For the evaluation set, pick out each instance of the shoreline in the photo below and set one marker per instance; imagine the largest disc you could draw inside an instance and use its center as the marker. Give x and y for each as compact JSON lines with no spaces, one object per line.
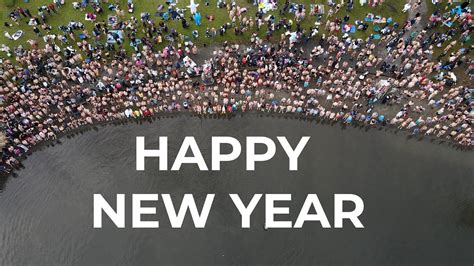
{"x":171,"y":115}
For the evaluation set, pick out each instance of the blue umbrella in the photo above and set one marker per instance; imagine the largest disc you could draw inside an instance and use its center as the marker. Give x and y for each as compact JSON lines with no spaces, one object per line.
{"x":349,"y":119}
{"x":197,"y":18}
{"x":381,"y":118}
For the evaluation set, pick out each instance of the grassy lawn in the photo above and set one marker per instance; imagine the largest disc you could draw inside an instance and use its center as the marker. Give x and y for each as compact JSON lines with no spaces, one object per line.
{"x":444,"y":7}
{"x":390,"y":8}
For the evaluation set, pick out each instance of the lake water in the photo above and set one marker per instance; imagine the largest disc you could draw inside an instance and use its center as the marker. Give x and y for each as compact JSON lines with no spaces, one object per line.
{"x":418,"y":195}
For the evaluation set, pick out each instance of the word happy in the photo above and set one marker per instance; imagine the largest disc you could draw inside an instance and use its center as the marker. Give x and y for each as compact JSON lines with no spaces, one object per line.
{"x":189,"y":144}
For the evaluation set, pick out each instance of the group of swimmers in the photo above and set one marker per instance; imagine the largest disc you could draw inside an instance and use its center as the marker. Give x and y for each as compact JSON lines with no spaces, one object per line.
{"x":48,"y":91}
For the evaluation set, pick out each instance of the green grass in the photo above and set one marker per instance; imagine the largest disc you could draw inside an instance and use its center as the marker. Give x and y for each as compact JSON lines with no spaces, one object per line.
{"x":9,"y":3}
{"x":444,"y":8}
{"x":390,"y":8}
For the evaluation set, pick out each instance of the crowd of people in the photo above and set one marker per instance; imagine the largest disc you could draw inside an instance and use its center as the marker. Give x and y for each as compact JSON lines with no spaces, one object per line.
{"x":51,"y":89}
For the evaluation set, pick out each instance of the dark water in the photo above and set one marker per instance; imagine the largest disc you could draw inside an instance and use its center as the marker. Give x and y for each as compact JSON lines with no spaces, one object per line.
{"x":419,"y":199}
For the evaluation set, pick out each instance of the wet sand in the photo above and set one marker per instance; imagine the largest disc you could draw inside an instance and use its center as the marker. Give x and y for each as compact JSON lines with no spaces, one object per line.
{"x":419,"y":198}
